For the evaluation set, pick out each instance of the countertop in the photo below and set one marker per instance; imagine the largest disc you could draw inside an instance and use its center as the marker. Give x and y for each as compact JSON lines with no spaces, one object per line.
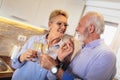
{"x":7,"y":74}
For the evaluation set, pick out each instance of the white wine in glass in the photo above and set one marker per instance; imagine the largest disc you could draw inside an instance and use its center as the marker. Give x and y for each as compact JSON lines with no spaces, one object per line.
{"x":37,"y":47}
{"x":44,"y":48}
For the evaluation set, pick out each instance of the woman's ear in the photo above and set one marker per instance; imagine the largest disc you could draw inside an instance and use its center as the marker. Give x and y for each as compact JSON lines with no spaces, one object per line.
{"x":91,"y":29}
{"x":49,"y":25}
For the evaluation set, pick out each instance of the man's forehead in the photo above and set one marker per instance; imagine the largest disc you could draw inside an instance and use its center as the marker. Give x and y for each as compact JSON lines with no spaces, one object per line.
{"x":83,"y":19}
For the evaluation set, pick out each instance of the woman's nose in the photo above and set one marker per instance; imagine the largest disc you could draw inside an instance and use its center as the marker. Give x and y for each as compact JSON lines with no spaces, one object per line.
{"x":76,"y":29}
{"x":63,"y":26}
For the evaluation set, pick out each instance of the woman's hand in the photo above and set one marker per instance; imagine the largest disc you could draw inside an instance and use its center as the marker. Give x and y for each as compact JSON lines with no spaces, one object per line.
{"x":28,"y":55}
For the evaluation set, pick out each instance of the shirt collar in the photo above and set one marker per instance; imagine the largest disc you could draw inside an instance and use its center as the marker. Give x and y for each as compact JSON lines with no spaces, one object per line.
{"x":94,"y":43}
{"x":56,"y":45}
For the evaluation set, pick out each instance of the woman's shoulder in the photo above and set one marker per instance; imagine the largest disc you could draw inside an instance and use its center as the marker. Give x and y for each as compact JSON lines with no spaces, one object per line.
{"x":37,"y":36}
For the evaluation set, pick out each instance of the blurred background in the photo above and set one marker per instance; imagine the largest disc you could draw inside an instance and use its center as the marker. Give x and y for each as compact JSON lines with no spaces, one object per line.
{"x":20,"y":19}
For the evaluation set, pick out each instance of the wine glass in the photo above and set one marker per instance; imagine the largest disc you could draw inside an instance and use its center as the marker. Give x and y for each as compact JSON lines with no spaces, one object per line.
{"x":44,"y":48}
{"x":41,"y":48}
{"x":37,"y":47}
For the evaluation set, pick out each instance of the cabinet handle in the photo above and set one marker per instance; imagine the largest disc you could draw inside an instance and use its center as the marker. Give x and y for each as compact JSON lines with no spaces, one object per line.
{"x":18,"y":18}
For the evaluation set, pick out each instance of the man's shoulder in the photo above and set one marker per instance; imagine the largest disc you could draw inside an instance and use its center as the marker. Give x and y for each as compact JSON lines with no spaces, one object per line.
{"x":104,"y":50}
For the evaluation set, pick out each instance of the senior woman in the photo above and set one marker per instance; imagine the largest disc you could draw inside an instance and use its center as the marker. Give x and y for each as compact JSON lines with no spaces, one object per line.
{"x":26,"y":69}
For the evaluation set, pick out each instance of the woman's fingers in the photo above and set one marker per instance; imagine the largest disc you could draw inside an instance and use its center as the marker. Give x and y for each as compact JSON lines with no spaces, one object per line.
{"x":29,"y":54}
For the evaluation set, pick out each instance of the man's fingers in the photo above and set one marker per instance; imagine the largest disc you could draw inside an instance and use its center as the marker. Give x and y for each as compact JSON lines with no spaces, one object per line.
{"x":64,"y":46}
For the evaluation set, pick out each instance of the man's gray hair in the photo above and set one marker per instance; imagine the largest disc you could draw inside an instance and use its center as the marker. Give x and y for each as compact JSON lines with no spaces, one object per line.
{"x":97,"y":20}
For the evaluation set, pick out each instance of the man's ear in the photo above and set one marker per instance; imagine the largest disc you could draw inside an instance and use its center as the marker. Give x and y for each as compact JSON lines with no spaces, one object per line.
{"x":91,"y":29}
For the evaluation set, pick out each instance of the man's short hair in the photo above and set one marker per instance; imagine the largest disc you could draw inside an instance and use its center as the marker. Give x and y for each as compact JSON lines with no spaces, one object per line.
{"x":97,"y":20}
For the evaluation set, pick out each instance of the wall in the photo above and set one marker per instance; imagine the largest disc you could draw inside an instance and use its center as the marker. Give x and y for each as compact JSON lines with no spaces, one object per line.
{"x":9,"y":32}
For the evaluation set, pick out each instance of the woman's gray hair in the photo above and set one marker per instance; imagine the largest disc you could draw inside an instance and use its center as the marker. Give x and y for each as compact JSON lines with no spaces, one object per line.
{"x":97,"y":20}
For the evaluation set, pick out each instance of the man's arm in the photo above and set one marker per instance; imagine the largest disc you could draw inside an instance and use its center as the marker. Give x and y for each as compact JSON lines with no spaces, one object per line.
{"x":60,"y":73}
{"x":64,"y":75}
{"x":48,"y":62}
{"x":67,"y":76}
{"x":103,"y":68}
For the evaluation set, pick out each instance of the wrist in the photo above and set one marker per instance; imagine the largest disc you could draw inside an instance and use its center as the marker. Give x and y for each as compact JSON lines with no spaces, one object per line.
{"x":54,"y":69}
{"x":60,"y":58}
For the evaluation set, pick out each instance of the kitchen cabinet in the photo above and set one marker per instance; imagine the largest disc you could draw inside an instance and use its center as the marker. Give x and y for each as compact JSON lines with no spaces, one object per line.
{"x":72,"y":7}
{"x":6,"y":75}
{"x":22,"y":10}
{"x":45,"y":8}
{"x":9,"y":78}
{"x":36,"y":12}
{"x":75,"y":9}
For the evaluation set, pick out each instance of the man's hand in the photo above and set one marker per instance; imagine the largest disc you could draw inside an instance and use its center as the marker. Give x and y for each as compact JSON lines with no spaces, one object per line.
{"x":66,"y":50}
{"x":47,"y":62}
{"x":28,"y":55}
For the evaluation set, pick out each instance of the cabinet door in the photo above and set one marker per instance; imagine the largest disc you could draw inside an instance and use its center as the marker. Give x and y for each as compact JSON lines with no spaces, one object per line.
{"x":45,"y":8}
{"x":1,"y":3}
{"x":21,"y":9}
{"x":74,"y":9}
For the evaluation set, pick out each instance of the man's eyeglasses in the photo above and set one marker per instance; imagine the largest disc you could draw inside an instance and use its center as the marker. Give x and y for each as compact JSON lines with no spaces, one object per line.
{"x":62,"y":23}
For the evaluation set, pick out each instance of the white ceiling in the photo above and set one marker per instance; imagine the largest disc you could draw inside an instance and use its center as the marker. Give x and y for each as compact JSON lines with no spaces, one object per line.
{"x":104,"y":0}
{"x":112,"y":0}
